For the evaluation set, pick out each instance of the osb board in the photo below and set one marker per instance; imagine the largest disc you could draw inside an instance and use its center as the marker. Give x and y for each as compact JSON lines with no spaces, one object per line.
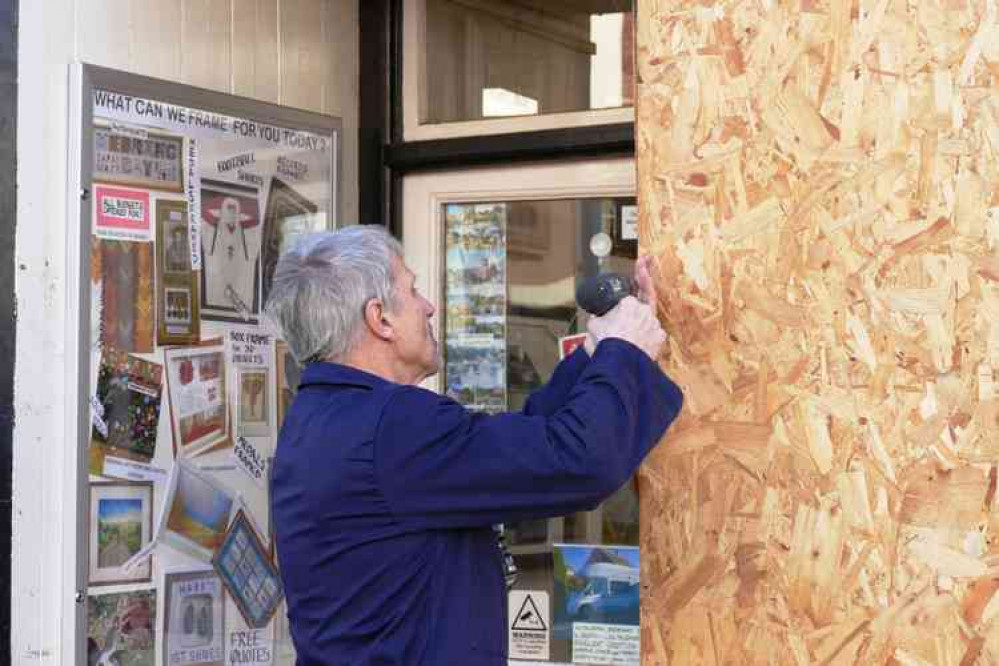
{"x":819,"y":185}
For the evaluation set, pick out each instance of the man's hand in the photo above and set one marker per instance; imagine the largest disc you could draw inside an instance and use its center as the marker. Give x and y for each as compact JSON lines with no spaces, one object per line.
{"x":646,"y":285}
{"x":633,"y":321}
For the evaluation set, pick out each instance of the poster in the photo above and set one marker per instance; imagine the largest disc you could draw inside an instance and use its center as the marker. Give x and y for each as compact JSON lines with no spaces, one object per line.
{"x":475,"y":310}
{"x":196,"y":381}
{"x":122,"y":214}
{"x":194,"y":619}
{"x":596,"y":603}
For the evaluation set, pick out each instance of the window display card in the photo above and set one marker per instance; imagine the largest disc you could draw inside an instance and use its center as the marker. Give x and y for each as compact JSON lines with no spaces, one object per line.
{"x":252,"y":647}
{"x":248,"y":573}
{"x":194,"y":618}
{"x":122,"y":214}
{"x":199,"y":410}
{"x":596,"y":602}
{"x":121,"y":524}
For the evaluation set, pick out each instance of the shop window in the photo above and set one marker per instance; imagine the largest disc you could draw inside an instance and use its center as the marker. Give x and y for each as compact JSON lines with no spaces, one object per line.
{"x":469,"y":60}
{"x":511,"y":268}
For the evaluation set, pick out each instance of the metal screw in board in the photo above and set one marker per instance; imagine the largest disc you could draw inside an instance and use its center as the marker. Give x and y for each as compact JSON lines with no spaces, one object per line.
{"x":80,"y":596}
{"x":84,"y":193}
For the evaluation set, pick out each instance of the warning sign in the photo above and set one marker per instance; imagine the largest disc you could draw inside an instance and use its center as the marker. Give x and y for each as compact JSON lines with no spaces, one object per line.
{"x":529,"y":624}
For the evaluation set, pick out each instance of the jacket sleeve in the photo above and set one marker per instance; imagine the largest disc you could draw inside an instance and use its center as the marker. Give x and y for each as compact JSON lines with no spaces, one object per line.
{"x":549,"y":398}
{"x":441,"y":466}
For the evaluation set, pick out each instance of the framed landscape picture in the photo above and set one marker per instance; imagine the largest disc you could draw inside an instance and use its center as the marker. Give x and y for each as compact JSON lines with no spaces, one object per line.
{"x":121,"y":524}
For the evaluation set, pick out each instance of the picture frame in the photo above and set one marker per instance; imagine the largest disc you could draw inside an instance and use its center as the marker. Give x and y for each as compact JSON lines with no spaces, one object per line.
{"x":193,"y":627}
{"x":253,"y":410}
{"x":288,"y":215}
{"x":121,"y":525}
{"x":249,"y":574}
{"x":126,"y":409}
{"x":136,"y":157}
{"x":199,"y":407}
{"x":121,"y":628}
{"x":230,"y":252}
{"x":178,"y":302}
{"x":196,"y":512}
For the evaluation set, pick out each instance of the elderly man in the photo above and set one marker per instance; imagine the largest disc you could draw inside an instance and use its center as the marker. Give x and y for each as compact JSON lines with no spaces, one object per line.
{"x":384,"y":493}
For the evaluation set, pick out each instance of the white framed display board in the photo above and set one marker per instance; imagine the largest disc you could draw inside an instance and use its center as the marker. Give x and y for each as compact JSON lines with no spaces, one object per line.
{"x":186,"y":199}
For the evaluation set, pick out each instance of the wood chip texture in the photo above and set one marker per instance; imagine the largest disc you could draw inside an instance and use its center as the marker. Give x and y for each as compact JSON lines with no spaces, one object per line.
{"x":819,"y":187}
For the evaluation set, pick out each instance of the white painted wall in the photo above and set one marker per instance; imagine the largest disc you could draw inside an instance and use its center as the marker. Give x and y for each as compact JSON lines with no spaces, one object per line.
{"x":300,"y":53}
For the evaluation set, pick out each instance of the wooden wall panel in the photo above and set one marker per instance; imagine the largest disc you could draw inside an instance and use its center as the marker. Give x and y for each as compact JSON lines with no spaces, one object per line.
{"x":819,"y":185}
{"x":303,"y":54}
{"x":341,"y":91}
{"x":206,"y":53}
{"x":103,"y":42}
{"x":256,"y":50}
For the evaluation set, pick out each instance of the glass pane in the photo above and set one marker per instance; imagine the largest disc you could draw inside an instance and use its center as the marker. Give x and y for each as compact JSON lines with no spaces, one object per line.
{"x":496,"y":58}
{"x":511,"y":273}
{"x":190,"y":211}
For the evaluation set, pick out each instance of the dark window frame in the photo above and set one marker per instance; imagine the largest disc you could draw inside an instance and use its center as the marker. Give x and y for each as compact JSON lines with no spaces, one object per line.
{"x":385,"y":157}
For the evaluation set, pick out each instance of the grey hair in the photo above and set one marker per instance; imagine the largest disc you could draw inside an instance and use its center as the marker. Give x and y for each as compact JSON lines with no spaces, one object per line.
{"x":322,"y":284}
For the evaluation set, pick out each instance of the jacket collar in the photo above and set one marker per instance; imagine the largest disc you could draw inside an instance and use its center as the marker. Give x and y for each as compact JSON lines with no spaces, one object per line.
{"x":334,"y":374}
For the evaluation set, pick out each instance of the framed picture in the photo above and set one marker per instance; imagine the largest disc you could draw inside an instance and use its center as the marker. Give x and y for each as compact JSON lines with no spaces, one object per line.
{"x":121,"y":628}
{"x":253,"y":410}
{"x":196,"y":382}
{"x":177,"y":299}
{"x":248,"y":573}
{"x":121,"y":524}
{"x":230,"y":248}
{"x":123,"y":271}
{"x":289,"y":214}
{"x":126,"y":409}
{"x":138,"y":158}
{"x":194,"y":618}
{"x":196,"y":512}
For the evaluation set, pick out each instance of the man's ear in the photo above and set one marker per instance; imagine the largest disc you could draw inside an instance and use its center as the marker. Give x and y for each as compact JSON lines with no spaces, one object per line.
{"x":375,"y":320}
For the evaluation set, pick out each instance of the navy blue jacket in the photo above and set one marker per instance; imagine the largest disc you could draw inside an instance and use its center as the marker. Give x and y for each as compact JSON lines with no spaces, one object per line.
{"x":384,"y":496}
